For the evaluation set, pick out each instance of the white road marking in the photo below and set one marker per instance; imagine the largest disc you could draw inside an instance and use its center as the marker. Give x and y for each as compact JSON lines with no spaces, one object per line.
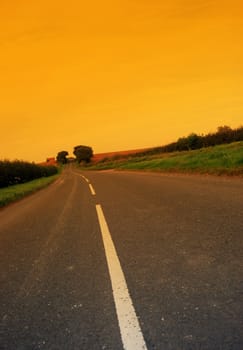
{"x":92,"y":189}
{"x":85,"y":178}
{"x":131,"y":334}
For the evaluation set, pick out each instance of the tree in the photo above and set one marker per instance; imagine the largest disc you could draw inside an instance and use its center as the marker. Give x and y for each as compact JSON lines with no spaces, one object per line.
{"x":83,"y":153}
{"x":224,"y":134}
{"x":225,"y":129}
{"x":61,"y":157}
{"x":181,"y":144}
{"x":194,"y":141}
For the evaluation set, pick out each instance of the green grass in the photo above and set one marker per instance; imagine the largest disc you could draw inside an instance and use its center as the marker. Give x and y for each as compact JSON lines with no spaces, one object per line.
{"x":13,"y":193}
{"x":219,"y":160}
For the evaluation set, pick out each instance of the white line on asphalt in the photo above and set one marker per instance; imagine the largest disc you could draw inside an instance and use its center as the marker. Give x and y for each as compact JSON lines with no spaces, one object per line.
{"x":131,"y":333}
{"x":85,"y":178}
{"x":92,"y":189}
{"x":90,"y":186}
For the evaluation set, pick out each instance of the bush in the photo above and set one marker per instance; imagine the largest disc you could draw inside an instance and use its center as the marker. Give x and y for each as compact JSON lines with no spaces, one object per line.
{"x":17,"y":172}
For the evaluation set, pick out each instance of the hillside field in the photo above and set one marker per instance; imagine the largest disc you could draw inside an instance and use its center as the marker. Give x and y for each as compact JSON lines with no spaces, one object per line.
{"x":220,"y":160}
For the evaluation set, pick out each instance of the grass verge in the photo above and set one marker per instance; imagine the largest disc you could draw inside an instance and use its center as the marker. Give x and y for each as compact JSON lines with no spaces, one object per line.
{"x":13,"y":193}
{"x":217,"y":160}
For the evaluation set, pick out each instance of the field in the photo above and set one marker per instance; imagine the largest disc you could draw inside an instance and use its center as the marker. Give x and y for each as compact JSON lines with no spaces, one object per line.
{"x":219,"y":160}
{"x":99,"y":157}
{"x":12,"y":193}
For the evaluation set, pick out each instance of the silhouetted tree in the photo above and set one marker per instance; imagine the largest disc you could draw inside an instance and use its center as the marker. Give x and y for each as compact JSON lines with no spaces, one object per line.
{"x":224,"y":129}
{"x":224,"y":134}
{"x":83,"y":153}
{"x":61,"y":157}
{"x":194,"y":141}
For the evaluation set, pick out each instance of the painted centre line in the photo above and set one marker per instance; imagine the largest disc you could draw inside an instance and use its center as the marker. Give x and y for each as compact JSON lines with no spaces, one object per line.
{"x":85,"y":178}
{"x":90,"y":186}
{"x":131,"y":334}
{"x":92,"y":189}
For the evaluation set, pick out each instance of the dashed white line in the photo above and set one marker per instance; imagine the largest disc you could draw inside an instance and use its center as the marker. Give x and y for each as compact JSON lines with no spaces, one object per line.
{"x":92,"y":190}
{"x":131,"y":334}
{"x":90,"y":186}
{"x":85,"y":178}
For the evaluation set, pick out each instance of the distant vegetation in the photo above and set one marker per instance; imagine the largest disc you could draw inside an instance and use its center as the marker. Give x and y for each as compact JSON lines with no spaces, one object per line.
{"x":223,"y":135}
{"x":82,"y":153}
{"x":18,"y":172}
{"x":62,"y":157}
{"x":193,"y":141}
{"x":219,"y":160}
{"x":215,"y":153}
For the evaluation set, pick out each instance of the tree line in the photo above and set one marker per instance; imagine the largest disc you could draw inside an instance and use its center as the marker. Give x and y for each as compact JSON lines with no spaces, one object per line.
{"x":17,"y":172}
{"x":223,"y":135}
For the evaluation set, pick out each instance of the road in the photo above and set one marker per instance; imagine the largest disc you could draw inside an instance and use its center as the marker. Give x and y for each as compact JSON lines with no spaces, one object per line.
{"x":123,"y":260}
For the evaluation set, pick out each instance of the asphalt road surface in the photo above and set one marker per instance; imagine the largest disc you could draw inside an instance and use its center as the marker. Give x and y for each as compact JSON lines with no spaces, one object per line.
{"x":119,"y":260}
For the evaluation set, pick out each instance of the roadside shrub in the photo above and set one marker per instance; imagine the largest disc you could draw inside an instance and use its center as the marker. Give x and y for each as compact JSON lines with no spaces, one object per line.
{"x":17,"y":172}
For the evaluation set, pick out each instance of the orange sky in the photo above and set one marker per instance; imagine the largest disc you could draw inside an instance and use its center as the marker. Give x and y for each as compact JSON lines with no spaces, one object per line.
{"x":116,"y":75}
